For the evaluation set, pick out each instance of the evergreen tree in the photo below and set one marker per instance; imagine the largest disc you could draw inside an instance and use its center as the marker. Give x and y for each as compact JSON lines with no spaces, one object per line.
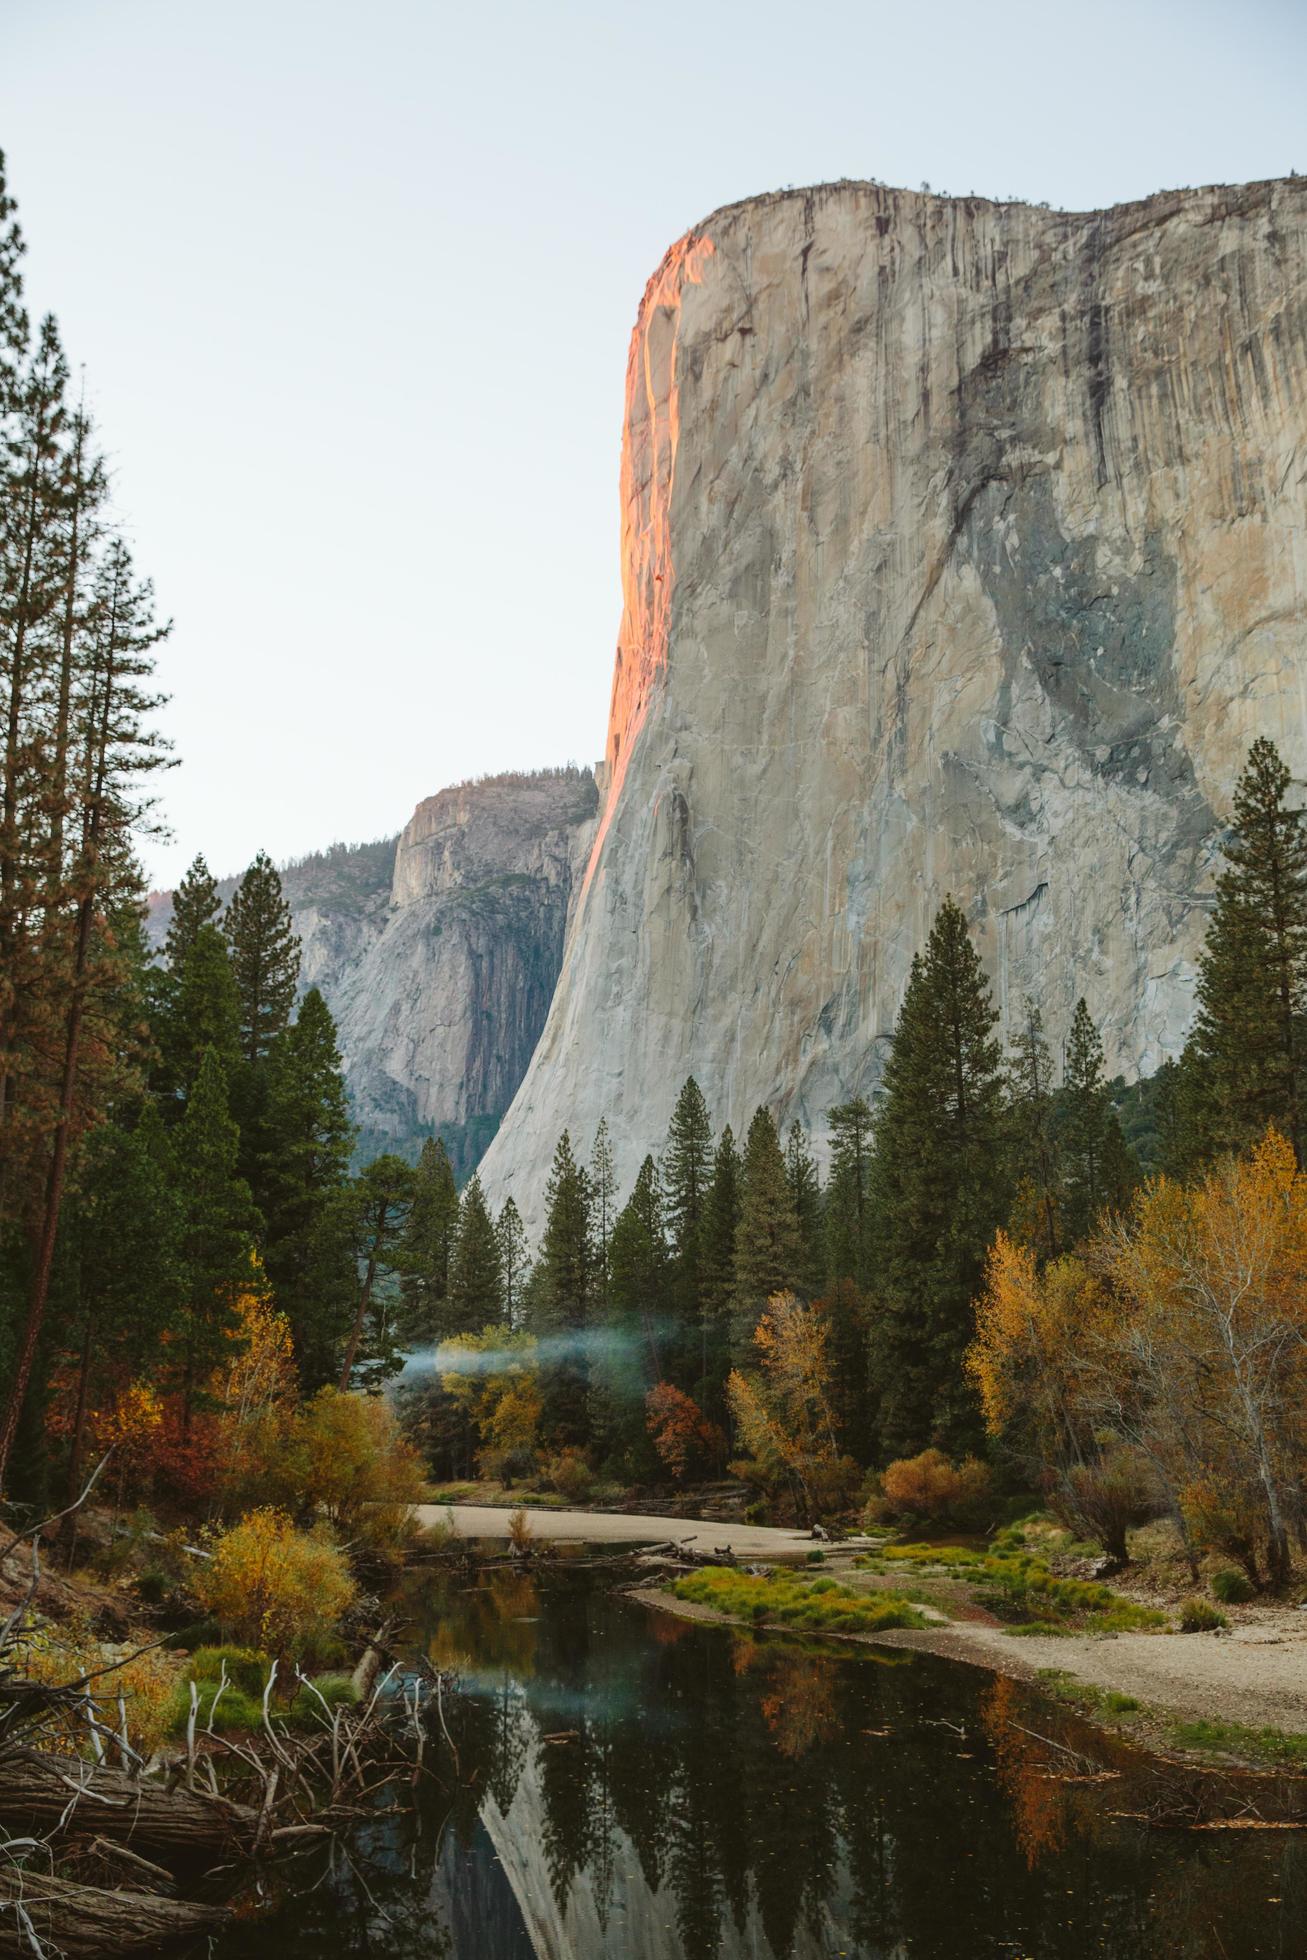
{"x":1096,"y":1162}
{"x":717,"y":1289}
{"x":848,"y":1202}
{"x":195,"y":904}
{"x":199,"y":1012}
{"x":562,"y":1297}
{"x":768,"y":1244}
{"x":476,"y":1278}
{"x":427,"y":1248}
{"x":632,"y":1358}
{"x":1252,"y":977}
{"x":686,"y":1173}
{"x":514,"y":1259}
{"x":265,"y":957}
{"x":379,"y":1201}
{"x":117,"y":1289}
{"x":940,"y":1189}
{"x":306,"y":1139}
{"x":1037,"y":1216}
{"x":216,"y":1245}
{"x":805,"y":1195}
{"x":603,"y":1186}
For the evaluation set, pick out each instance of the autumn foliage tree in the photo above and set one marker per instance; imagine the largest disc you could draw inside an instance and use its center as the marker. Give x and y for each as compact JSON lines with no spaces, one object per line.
{"x":784,"y":1421}
{"x":686,"y":1442}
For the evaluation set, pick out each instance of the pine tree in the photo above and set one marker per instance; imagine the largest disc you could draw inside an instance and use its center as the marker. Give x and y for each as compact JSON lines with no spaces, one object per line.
{"x":117,"y":1289}
{"x":427,"y":1248}
{"x":940,"y":1188}
{"x":514,"y":1259}
{"x":603,"y":1185}
{"x":1036,"y":1166}
{"x":686,"y":1173}
{"x":848,"y":1193}
{"x":1087,"y":1122}
{"x":717,"y":1282}
{"x":265,"y":957}
{"x":476,"y":1278}
{"x":306,"y":1138}
{"x":563,"y":1286}
{"x":632,"y":1359}
{"x":195,"y":903}
{"x":216,"y":1244}
{"x":199,"y":1011}
{"x":379,"y":1200}
{"x":1252,"y":977}
{"x":768,"y":1244}
{"x":805,"y":1195}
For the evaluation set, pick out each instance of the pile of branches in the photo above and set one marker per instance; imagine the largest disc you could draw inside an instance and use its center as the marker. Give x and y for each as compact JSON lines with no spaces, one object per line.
{"x":104,"y":1852}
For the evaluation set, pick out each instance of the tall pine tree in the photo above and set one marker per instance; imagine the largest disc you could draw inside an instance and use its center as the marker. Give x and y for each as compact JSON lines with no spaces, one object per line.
{"x":563,"y":1298}
{"x":476,"y":1277}
{"x":216,"y":1244}
{"x":768,"y":1242}
{"x":427,"y":1248}
{"x":1252,"y":977}
{"x":940,"y":1188}
{"x":265,"y":957}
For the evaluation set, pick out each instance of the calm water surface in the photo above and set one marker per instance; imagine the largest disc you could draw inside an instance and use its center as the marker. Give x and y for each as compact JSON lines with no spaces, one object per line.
{"x":635,"y":1788}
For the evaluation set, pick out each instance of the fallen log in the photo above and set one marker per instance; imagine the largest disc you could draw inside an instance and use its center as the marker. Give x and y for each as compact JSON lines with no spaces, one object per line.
{"x":50,"y":1790}
{"x":82,"y":1920}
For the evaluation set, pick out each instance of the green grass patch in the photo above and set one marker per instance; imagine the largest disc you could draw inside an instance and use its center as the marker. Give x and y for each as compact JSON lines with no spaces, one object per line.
{"x":808,"y":1605}
{"x":1265,"y":1745}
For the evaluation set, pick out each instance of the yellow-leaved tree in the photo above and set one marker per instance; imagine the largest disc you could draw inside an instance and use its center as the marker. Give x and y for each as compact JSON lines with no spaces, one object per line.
{"x":783,"y":1417}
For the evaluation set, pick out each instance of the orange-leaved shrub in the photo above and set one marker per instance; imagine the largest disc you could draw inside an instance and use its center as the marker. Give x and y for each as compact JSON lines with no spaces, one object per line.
{"x":928,"y":1490}
{"x":687,"y":1443}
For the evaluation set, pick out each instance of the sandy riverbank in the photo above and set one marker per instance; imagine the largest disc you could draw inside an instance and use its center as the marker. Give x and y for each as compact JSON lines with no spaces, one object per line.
{"x":1256,"y":1674}
{"x":623,"y":1528}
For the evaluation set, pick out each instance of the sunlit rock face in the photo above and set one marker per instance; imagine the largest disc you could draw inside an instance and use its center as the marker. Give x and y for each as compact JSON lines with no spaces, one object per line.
{"x":964,"y":551}
{"x":438,"y":954}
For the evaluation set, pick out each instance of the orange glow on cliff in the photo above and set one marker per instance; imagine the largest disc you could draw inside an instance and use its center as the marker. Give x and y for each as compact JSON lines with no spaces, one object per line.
{"x":649,"y":443}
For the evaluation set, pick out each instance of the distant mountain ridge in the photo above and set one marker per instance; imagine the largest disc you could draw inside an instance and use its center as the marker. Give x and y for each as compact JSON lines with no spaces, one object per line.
{"x":438,"y":951}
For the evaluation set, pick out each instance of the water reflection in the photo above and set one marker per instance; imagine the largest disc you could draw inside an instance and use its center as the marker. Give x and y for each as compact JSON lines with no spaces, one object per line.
{"x":632,"y":1786}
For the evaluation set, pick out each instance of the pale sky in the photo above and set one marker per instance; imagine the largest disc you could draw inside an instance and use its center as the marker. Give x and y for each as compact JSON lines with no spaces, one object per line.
{"x":352,"y":284}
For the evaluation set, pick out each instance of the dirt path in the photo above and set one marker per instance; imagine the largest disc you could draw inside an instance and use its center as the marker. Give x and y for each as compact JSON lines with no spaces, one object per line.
{"x":622,"y":1528}
{"x":1256,"y":1674}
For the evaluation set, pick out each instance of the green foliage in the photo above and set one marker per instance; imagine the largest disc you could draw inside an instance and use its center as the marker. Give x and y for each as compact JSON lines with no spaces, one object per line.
{"x":216,"y":1223}
{"x":476,"y":1277}
{"x":940,"y":1188}
{"x":1099,"y":1171}
{"x":786,"y":1600}
{"x":768,"y":1244}
{"x":1232,"y":1588}
{"x":848,"y":1194}
{"x":1247,"y":1043}
{"x":246,"y":1668}
{"x":563,"y":1287}
{"x":1198,"y":1615}
{"x":265,"y":957}
{"x":427,"y":1249}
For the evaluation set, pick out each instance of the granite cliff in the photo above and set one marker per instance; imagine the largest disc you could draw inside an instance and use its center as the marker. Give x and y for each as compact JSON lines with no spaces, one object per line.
{"x":964,"y":550}
{"x":438,"y":952}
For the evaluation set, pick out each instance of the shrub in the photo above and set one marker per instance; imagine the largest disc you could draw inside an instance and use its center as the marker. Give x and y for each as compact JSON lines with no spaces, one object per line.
{"x":306,"y":1710}
{"x":686,"y":1442}
{"x":520,"y":1533}
{"x":1198,"y":1615}
{"x":235,"y":1713}
{"x":928,"y":1489}
{"x":1230,"y":1587}
{"x":570,"y":1474}
{"x":246,"y":1667}
{"x":274,"y":1586}
{"x":1108,"y":1498}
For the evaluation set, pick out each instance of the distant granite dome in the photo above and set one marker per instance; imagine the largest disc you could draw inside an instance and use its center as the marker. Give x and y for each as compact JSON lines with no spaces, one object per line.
{"x":964,"y":550}
{"x":438,"y":952}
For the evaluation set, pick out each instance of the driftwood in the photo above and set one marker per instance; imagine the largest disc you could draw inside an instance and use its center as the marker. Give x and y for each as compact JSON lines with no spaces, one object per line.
{"x":54,"y":1915}
{"x":50,"y":1790}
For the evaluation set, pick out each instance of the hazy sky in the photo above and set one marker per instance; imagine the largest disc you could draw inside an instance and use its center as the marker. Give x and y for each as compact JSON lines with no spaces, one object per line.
{"x":352,"y":284}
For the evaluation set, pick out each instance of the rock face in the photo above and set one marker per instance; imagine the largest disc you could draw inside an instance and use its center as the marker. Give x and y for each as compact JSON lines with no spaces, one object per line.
{"x":438,"y":953}
{"x":964,"y":550}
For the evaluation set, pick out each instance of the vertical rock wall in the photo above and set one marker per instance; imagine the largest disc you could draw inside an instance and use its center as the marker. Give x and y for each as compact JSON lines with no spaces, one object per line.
{"x":964,"y":549}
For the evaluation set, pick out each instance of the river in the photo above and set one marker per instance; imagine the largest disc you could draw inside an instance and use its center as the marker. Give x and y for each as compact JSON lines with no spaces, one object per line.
{"x":633,"y":1787}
